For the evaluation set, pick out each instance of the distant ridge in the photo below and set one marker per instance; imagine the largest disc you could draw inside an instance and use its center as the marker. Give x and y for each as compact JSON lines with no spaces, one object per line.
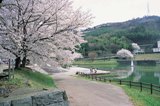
{"x":132,"y":22}
{"x":106,"y":39}
{"x":147,"y":27}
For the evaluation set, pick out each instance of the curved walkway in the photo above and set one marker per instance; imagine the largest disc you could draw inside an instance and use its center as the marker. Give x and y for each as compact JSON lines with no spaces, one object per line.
{"x":90,"y":93}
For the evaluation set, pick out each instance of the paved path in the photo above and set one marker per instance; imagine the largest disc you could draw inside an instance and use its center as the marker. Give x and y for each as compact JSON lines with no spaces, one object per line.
{"x":90,"y":93}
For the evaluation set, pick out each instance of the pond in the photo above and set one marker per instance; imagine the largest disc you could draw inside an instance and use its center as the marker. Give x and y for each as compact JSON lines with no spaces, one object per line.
{"x":148,"y":74}
{"x":138,"y":73}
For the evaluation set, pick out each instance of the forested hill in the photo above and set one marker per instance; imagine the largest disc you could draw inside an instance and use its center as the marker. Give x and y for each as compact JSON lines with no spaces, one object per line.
{"x":140,"y":30}
{"x":110,"y":37}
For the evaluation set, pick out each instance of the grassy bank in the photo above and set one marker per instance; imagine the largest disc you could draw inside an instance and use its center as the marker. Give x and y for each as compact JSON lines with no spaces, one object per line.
{"x":25,"y":77}
{"x":97,"y":63}
{"x":155,"y":56}
{"x":141,"y":98}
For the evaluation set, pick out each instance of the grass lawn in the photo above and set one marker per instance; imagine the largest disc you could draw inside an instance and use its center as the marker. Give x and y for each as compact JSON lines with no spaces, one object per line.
{"x":141,"y":98}
{"x":97,"y":63}
{"x":107,"y":62}
{"x":108,"y":76}
{"x":26,"y":77}
{"x":155,"y":56}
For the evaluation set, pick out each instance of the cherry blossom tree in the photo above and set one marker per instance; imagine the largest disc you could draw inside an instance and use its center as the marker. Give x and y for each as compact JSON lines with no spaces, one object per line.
{"x":125,"y":53}
{"x":135,"y":46}
{"x":40,"y":30}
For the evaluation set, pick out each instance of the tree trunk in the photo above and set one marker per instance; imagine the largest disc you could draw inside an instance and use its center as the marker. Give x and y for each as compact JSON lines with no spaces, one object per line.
{"x":24,"y":62}
{"x":17,"y":62}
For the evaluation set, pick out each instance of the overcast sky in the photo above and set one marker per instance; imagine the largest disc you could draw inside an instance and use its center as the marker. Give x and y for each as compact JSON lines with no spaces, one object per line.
{"x":106,"y":11}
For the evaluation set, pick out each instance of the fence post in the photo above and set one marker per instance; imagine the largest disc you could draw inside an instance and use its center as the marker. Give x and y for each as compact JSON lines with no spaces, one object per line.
{"x":9,"y":69}
{"x":88,"y":76}
{"x":100,"y":79}
{"x":141,"y":86}
{"x":81,"y":74}
{"x":130,"y":84}
{"x":120,"y":82}
{"x":92,"y":77}
{"x":13,"y":68}
{"x":151,"y":88}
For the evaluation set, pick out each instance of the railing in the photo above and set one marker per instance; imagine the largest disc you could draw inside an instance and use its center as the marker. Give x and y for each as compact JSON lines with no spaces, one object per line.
{"x":141,"y":85}
{"x":7,"y":71}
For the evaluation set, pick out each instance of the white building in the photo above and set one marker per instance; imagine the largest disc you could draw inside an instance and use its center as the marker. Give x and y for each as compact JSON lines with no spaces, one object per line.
{"x":158,"y":47}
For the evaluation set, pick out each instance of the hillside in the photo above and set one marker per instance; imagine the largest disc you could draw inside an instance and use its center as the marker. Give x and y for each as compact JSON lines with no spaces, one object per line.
{"x":110,"y":37}
{"x":147,"y":27}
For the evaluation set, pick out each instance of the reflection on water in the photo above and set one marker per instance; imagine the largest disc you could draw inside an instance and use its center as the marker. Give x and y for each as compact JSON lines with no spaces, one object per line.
{"x":138,"y":73}
{"x":125,"y":73}
{"x":157,"y":74}
{"x":148,"y":74}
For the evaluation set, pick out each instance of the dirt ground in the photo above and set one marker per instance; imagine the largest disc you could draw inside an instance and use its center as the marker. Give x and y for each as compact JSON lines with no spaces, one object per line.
{"x":90,"y":93}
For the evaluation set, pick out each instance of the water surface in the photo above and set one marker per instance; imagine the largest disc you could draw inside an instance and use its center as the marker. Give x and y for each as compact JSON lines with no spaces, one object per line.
{"x":138,"y":73}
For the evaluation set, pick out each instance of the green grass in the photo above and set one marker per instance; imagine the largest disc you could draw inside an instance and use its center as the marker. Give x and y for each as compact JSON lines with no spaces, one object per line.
{"x":26,"y":77}
{"x":141,"y":98}
{"x":107,"y":62}
{"x":148,"y":56}
{"x":110,"y":75}
{"x":97,"y":63}
{"x":37,"y":79}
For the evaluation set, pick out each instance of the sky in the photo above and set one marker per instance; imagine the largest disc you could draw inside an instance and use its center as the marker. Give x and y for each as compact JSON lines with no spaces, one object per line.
{"x":106,"y":11}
